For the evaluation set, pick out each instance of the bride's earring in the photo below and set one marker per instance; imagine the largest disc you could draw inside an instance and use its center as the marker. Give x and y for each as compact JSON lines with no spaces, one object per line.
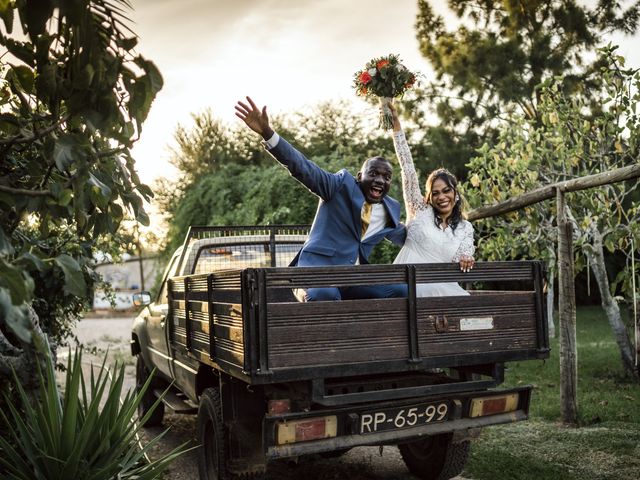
{"x":457,"y":197}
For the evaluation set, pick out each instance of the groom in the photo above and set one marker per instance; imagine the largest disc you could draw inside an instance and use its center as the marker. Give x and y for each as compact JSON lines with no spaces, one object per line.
{"x":354,"y":213}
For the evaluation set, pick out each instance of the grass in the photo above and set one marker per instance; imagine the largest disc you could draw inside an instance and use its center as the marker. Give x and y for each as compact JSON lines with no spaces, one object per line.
{"x":606,"y":445}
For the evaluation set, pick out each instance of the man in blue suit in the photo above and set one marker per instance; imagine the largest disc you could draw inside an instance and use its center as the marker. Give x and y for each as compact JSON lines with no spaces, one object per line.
{"x":354,"y":213}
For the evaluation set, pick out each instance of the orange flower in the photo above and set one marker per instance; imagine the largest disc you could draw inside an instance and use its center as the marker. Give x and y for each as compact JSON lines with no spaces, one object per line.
{"x":382,"y":63}
{"x":365,"y":77}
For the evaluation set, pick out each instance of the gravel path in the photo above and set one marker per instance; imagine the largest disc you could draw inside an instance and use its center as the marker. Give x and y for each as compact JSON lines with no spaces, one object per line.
{"x":361,"y":463}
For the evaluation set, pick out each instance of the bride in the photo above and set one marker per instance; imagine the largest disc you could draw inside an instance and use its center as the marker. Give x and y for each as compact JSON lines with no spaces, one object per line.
{"x":436,"y":231}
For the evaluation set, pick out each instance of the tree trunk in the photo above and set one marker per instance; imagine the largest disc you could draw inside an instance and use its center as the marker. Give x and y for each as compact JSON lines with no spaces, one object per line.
{"x":636,"y":323}
{"x":550,"y":304}
{"x":609,"y":304}
{"x":567,"y":316}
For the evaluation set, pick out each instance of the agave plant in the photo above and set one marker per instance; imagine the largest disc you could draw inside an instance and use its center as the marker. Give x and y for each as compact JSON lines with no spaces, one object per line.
{"x":80,"y":433}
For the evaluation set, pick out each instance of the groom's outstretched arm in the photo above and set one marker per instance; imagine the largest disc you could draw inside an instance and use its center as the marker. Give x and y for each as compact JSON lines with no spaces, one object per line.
{"x":319,"y":181}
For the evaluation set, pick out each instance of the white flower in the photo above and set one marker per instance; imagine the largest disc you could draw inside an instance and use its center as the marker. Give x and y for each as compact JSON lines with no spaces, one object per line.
{"x":372,"y":71}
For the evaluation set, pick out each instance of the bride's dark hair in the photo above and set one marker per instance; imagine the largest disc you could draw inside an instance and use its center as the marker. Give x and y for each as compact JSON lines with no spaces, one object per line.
{"x":450,"y":179}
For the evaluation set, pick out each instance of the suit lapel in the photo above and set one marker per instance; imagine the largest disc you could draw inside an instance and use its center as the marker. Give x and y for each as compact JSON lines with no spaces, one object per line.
{"x":393,"y":216}
{"x":356,"y":208}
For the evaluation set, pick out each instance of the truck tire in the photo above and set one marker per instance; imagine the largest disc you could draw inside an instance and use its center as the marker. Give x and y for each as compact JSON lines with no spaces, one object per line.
{"x":435,"y":457}
{"x":148,"y":399}
{"x":213,"y":460}
{"x":212,"y":455}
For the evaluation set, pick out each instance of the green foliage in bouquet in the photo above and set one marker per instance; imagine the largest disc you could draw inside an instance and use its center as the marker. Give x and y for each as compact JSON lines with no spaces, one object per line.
{"x":383,"y":77}
{"x":70,"y":435}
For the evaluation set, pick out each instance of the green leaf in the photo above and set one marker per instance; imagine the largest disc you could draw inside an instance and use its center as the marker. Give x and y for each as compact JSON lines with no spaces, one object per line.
{"x":36,"y":15}
{"x":22,"y":51}
{"x":6,"y":12}
{"x":19,"y":283}
{"x":65,"y":197}
{"x":15,"y":316}
{"x":68,"y":149}
{"x":28,"y":259}
{"x":25,"y":77}
{"x":127,"y":43}
{"x":6,"y":248}
{"x":103,"y":187}
{"x":142,"y":217}
{"x":74,"y":283}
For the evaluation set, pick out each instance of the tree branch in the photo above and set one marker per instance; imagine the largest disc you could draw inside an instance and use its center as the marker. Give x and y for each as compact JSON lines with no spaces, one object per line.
{"x":24,"y":191}
{"x":18,"y":139}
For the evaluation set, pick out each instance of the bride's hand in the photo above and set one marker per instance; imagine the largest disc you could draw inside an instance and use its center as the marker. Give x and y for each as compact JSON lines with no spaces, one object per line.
{"x":466,"y":263}
{"x":394,"y":115}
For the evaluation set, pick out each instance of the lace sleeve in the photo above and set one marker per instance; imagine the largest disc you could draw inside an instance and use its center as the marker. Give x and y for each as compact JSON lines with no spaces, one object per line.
{"x":413,"y":199}
{"x":466,"y":248}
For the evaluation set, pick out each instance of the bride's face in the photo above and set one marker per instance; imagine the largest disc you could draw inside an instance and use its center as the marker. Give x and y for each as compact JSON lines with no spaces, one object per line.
{"x":442,"y":197}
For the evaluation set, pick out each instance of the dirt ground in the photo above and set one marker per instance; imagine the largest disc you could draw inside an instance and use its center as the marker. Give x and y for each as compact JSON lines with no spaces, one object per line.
{"x":101,"y":334}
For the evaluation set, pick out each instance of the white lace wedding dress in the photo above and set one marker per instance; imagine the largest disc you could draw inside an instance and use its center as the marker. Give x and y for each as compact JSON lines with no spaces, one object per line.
{"x":426,"y":242}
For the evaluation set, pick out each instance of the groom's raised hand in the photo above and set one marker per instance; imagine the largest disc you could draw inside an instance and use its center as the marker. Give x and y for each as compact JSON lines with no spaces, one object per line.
{"x":256,"y":119}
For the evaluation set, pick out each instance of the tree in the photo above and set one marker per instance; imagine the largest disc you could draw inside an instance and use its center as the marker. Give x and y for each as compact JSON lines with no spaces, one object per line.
{"x":74,"y":95}
{"x":488,"y":65}
{"x":569,"y":143}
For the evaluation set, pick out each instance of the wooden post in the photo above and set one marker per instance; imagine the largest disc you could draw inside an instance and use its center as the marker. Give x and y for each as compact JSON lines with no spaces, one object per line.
{"x":567,"y":315}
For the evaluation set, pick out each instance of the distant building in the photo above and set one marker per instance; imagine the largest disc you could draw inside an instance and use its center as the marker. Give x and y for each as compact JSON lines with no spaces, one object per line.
{"x":125,"y":279}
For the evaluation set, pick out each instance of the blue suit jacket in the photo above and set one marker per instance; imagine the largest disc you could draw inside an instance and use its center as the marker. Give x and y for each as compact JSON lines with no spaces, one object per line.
{"x":334,"y":238}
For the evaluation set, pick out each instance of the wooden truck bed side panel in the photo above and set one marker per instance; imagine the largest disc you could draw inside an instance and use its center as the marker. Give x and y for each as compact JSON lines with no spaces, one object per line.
{"x":513,"y":315}
{"x":337,"y":332}
{"x":373,"y":330}
{"x":212,"y":328}
{"x":244,"y":322}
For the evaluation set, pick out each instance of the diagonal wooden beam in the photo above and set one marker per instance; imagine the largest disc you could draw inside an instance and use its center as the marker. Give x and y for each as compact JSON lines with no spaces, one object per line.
{"x":549,"y":191}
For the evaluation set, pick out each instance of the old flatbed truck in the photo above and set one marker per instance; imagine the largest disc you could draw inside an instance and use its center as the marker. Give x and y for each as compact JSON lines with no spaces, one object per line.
{"x":273,"y":378}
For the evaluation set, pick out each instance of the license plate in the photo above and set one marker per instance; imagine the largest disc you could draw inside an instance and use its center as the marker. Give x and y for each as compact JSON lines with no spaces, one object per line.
{"x":405,"y":417}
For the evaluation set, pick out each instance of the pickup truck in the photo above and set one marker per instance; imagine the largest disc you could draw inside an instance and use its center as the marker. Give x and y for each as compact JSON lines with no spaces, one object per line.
{"x":269,"y":377}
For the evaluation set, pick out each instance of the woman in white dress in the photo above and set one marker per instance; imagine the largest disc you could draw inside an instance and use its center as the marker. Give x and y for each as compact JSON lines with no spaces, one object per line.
{"x":436,"y":231}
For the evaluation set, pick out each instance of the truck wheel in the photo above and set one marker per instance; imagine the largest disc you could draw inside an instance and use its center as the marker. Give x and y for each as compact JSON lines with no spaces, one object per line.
{"x":148,"y":399}
{"x":212,"y":455}
{"x":213,"y":461}
{"x":435,"y":457}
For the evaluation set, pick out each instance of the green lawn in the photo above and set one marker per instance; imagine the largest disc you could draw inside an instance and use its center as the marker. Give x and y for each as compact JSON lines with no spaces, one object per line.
{"x":607,"y":443}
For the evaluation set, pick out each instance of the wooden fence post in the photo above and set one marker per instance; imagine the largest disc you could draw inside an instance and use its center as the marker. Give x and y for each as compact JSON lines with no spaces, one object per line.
{"x":567,"y":315}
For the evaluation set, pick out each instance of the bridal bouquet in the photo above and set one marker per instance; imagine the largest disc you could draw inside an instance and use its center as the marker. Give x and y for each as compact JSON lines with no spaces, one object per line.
{"x":385,"y":78}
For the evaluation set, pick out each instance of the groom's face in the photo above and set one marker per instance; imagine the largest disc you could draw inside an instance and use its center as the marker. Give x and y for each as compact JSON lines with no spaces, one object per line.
{"x":375,"y":179}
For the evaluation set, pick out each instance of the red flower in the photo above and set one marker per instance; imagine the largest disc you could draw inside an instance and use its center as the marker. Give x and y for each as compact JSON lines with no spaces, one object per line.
{"x":365,"y":77}
{"x":382,"y":63}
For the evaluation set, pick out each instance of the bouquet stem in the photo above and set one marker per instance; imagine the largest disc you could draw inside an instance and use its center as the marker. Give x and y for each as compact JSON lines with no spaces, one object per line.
{"x":386,"y":118}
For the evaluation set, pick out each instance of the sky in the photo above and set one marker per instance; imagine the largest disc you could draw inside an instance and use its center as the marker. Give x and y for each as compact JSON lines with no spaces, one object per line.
{"x":287,"y":54}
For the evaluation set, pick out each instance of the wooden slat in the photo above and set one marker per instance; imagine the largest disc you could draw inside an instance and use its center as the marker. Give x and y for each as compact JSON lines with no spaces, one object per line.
{"x":514,"y":319}
{"x":337,"y":332}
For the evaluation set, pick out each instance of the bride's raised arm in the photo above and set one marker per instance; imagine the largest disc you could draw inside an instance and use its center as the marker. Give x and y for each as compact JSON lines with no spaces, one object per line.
{"x":413,"y":199}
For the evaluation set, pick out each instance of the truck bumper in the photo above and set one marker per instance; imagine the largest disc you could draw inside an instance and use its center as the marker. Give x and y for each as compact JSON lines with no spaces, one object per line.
{"x":350,"y":421}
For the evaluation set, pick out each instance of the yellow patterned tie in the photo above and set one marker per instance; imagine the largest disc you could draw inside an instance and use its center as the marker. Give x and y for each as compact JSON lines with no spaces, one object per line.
{"x":366,"y":216}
